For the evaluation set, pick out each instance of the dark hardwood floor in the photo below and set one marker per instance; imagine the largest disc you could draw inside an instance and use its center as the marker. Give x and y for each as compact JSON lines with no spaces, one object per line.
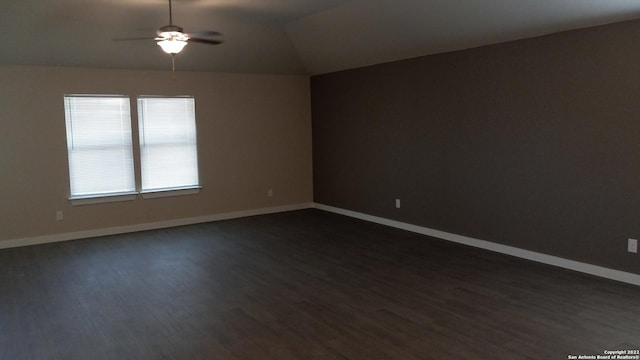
{"x":300,"y":285}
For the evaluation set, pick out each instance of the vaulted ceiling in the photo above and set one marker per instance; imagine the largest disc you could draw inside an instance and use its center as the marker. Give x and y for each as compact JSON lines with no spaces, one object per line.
{"x":281,"y":36}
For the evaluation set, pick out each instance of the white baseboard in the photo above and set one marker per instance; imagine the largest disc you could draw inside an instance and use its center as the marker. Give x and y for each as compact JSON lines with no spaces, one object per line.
{"x":148,"y":226}
{"x":599,"y":271}
{"x":603,"y":272}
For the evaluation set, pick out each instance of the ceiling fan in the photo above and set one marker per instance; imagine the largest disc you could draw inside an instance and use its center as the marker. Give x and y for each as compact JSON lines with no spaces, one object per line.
{"x":172,"y":38}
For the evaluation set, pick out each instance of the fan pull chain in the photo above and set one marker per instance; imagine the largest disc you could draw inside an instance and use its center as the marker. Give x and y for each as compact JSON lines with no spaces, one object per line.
{"x":173,"y":66}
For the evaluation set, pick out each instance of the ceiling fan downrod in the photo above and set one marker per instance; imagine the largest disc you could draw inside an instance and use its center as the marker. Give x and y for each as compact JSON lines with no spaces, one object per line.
{"x":170,"y":14}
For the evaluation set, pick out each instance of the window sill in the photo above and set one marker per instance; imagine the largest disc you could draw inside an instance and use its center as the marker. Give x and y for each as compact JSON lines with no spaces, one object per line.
{"x":104,"y":198}
{"x":152,"y":194}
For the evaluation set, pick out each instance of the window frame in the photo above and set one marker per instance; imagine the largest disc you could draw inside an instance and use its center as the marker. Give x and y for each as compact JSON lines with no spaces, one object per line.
{"x":174,"y":190}
{"x":82,"y":198}
{"x":135,"y":149}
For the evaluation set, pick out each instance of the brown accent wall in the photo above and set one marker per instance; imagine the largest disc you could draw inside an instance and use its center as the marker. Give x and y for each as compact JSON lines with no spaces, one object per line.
{"x":532,"y":143}
{"x":254,"y":134}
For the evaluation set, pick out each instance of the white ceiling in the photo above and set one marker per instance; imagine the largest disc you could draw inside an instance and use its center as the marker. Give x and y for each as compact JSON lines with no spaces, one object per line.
{"x":281,"y":36}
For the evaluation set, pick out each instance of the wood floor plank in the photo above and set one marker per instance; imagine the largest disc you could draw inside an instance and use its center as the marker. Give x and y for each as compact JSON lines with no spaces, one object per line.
{"x":300,"y":285}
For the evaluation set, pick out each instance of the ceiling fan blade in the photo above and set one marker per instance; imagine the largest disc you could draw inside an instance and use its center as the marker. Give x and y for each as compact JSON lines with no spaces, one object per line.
{"x":136,"y":38}
{"x":204,"y":33}
{"x":205,"y":41}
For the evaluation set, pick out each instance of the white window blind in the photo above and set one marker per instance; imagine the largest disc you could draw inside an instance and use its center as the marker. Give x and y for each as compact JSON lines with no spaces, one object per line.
{"x":168,"y":149}
{"x":99,"y":145}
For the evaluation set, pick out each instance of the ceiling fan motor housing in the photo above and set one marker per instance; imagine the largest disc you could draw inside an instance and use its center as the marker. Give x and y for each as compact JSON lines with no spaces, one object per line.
{"x":170,"y":28}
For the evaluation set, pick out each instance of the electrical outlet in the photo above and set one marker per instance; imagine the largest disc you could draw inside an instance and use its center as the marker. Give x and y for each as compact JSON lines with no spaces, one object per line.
{"x":270,"y":192}
{"x":632,"y":246}
{"x":59,"y":215}
{"x":397,"y":203}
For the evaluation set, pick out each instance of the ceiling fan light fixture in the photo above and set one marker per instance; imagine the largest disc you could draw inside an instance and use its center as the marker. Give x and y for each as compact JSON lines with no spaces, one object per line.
{"x":173,"y":40}
{"x":172,"y":46}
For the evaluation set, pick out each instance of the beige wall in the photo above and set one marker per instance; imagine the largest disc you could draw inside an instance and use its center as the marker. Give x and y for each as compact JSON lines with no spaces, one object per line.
{"x":254,"y":134}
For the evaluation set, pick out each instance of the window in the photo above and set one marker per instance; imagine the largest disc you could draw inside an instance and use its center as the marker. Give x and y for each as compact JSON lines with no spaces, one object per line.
{"x":101,"y":165}
{"x":99,"y":146}
{"x":168,"y":151}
